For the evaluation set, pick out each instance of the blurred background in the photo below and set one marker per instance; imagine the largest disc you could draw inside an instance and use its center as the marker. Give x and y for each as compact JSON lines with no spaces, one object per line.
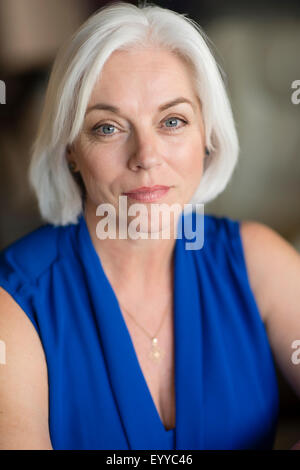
{"x":257,"y":45}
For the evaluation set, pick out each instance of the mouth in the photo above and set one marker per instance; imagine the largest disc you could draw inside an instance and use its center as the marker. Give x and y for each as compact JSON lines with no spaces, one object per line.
{"x":148,"y":194}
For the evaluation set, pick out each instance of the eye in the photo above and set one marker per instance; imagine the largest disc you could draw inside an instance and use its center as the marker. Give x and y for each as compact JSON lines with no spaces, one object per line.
{"x":173,"y":120}
{"x":105,"y":126}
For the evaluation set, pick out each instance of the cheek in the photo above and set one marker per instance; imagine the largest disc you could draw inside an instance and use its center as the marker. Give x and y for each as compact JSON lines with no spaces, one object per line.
{"x":195,"y":175}
{"x":98,"y":166}
{"x":188,"y":153}
{"x":192,"y":170}
{"x":192,"y":163}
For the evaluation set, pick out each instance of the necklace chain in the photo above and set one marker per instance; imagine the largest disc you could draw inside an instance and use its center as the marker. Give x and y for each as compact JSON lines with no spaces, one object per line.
{"x":156,"y":352}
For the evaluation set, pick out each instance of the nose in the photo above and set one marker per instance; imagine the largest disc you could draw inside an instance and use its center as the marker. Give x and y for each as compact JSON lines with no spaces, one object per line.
{"x":145,"y":153}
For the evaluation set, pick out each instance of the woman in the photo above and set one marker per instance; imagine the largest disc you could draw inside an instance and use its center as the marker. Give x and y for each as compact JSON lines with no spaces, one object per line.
{"x":136,"y":342}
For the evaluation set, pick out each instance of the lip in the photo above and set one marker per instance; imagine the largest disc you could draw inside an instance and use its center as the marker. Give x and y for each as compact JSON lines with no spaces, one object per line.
{"x":147,"y":189}
{"x":148,"y":194}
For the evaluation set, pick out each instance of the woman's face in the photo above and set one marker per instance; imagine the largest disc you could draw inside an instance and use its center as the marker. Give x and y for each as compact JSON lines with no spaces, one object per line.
{"x":142,"y":142}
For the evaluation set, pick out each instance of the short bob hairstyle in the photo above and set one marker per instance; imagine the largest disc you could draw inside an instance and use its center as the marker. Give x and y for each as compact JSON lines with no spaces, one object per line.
{"x":121,"y":26}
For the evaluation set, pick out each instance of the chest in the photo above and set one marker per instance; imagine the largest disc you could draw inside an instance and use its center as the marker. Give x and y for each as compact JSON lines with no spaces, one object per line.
{"x":158,"y":374}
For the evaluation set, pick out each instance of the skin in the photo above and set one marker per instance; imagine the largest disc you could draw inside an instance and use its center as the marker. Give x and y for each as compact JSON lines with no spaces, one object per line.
{"x":273,"y":267}
{"x":143,"y":151}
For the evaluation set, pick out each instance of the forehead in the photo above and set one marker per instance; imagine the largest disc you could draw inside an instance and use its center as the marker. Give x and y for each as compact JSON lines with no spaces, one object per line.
{"x":149,"y":73}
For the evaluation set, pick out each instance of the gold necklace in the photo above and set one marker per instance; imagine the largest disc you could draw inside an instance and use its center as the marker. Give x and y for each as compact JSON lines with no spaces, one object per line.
{"x":156,"y":353}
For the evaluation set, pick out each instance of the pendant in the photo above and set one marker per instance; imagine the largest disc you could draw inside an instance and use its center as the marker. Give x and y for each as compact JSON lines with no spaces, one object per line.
{"x":156,"y":354}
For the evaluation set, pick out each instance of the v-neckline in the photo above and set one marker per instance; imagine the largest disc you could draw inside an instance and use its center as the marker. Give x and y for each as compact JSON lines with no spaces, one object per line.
{"x":146,"y":387}
{"x":138,"y":368}
{"x":139,"y":417}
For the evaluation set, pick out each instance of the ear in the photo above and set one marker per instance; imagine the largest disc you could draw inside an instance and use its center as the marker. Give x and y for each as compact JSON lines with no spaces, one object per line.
{"x":69,"y":152}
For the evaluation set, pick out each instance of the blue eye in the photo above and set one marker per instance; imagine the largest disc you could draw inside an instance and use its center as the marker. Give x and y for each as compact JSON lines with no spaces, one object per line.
{"x":175,"y":128}
{"x":106,"y":126}
{"x":171,"y":119}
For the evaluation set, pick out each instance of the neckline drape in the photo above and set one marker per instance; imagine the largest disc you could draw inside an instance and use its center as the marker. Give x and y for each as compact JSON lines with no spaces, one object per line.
{"x":139,"y":417}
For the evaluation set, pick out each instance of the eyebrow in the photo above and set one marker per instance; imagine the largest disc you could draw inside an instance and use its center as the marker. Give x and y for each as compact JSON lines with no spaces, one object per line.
{"x":163,"y":107}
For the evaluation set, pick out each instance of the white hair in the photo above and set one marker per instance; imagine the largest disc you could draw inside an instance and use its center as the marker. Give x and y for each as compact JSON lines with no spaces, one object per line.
{"x":120,"y":26}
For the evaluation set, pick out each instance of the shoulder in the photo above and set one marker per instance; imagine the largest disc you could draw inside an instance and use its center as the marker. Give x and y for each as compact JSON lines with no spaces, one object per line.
{"x":31,"y":254}
{"x":22,"y":265}
{"x":271,"y":262}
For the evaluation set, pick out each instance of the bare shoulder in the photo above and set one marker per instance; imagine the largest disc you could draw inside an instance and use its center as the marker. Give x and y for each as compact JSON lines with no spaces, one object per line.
{"x":274,"y":272}
{"x":23,"y":381}
{"x":272,"y":263}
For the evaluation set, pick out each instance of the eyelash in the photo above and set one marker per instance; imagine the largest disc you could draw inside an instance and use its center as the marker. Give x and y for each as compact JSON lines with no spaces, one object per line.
{"x":172,"y":129}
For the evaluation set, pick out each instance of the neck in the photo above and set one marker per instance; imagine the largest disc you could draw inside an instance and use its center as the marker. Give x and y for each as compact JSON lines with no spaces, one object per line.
{"x":137,"y":269}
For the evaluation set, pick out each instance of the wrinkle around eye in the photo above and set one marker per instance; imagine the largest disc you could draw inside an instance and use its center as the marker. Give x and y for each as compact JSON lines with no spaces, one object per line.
{"x":169,"y":129}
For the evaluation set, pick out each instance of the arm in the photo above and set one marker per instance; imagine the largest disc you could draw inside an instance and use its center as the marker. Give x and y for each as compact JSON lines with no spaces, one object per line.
{"x":23,"y":381}
{"x":274,"y":273}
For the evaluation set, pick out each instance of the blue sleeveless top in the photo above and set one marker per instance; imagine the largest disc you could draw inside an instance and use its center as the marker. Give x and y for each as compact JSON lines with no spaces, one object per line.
{"x":225,"y":378}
